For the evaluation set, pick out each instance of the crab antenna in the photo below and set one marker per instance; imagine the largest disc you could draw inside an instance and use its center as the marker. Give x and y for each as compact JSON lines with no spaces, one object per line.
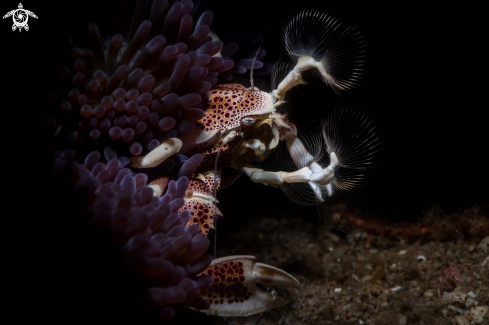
{"x":215,"y":200}
{"x":253,"y":65}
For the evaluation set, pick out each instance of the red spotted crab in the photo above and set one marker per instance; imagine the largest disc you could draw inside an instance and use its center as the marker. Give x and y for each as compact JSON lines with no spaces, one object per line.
{"x":242,"y":126}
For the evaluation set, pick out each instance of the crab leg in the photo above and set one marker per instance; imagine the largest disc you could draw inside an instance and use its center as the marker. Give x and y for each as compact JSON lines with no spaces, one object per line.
{"x":159,"y":185}
{"x":314,"y":173}
{"x":199,"y":200}
{"x":308,"y":169}
{"x":233,"y":291}
{"x":168,"y":148}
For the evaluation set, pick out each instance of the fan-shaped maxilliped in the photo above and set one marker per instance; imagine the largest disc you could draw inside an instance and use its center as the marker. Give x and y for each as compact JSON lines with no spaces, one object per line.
{"x":339,"y":49}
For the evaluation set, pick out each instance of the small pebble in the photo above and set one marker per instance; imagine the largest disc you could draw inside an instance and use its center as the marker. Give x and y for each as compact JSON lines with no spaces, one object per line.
{"x":471,"y":302}
{"x":461,"y":320}
{"x":484,"y":244}
{"x":428,"y":293}
{"x":452,"y":297}
{"x":484,"y":264}
{"x":402,"y":319}
{"x":459,"y":310}
{"x":479,"y":313}
{"x":421,"y":258}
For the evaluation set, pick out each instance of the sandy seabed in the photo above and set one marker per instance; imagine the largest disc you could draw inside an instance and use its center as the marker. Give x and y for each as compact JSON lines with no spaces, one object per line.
{"x":365,"y":278}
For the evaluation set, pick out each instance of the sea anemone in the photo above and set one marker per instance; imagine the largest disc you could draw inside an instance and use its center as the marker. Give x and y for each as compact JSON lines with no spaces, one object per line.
{"x":133,"y":92}
{"x":125,"y":97}
{"x":158,"y":253}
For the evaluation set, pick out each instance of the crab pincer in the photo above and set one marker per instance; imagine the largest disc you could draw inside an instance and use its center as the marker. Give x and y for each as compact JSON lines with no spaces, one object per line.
{"x":233,"y":291}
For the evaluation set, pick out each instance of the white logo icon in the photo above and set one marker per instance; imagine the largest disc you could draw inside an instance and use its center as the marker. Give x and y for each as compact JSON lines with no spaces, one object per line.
{"x":20,"y":17}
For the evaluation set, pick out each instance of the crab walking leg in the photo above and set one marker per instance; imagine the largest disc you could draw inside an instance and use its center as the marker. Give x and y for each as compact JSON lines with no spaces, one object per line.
{"x":200,"y":201}
{"x":294,"y":77}
{"x":309,"y":171}
{"x":168,"y":148}
{"x":233,"y":291}
{"x":299,"y":154}
{"x":159,"y":185}
{"x":198,"y":198}
{"x":314,"y":173}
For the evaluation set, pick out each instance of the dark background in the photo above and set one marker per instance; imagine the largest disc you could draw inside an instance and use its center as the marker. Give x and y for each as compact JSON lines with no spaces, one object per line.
{"x":425,"y":90}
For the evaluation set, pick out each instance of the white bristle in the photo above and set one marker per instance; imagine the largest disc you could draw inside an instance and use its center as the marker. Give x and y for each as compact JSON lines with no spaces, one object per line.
{"x":280,"y":70}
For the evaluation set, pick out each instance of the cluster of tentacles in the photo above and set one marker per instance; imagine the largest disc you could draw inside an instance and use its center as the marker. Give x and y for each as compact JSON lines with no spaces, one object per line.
{"x":125,"y":97}
{"x":136,"y":91}
{"x":155,"y":244}
{"x":134,"y":95}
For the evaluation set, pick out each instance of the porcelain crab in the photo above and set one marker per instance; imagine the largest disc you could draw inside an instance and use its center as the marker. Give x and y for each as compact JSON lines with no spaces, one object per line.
{"x":240,"y":127}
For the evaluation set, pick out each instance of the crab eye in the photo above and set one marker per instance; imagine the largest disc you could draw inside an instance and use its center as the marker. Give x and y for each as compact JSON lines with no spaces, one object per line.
{"x":248,"y":121}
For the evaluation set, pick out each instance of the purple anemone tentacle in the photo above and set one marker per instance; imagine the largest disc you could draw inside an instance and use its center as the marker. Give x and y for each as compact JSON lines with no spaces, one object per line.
{"x":149,"y":232}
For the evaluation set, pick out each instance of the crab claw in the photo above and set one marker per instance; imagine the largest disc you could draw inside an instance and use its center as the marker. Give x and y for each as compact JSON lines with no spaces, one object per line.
{"x":168,"y":148}
{"x":233,"y":291}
